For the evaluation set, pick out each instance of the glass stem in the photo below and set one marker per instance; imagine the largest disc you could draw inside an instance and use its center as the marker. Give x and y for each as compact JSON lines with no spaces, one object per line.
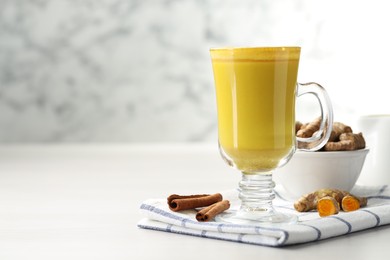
{"x":256,"y":192}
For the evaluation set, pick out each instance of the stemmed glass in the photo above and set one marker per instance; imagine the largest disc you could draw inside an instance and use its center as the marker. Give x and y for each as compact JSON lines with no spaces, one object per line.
{"x":256,"y":89}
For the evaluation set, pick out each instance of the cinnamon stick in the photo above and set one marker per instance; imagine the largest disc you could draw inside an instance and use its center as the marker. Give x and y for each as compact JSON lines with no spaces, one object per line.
{"x":175,"y":196}
{"x":211,"y":211}
{"x":178,"y":202}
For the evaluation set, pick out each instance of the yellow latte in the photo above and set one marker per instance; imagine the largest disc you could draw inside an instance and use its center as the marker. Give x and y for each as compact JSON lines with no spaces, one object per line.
{"x":255,"y":89}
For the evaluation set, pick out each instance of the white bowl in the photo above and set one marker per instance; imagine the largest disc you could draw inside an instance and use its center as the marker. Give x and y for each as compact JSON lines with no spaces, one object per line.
{"x":310,"y":171}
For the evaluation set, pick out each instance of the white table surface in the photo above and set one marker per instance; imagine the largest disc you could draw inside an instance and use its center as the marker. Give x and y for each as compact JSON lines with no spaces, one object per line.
{"x":81,"y":202}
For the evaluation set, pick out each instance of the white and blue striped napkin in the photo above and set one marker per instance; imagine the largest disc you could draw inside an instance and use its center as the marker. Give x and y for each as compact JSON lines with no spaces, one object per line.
{"x":310,"y":227}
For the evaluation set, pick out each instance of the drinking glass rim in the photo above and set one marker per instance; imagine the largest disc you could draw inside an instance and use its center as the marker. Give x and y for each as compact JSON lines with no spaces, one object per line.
{"x":264,"y":48}
{"x":256,"y":53}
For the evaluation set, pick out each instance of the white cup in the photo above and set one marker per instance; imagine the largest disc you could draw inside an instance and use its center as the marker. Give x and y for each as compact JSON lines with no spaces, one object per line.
{"x":376,"y":131}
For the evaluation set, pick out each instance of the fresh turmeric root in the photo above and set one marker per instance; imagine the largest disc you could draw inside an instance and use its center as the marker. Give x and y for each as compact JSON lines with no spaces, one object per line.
{"x":309,"y":201}
{"x":338,"y":129}
{"x":341,"y":138}
{"x":329,"y":201}
{"x":351,"y":203}
{"x":327,"y":206}
{"x":307,"y":130}
{"x":347,"y":142}
{"x":298,"y":126}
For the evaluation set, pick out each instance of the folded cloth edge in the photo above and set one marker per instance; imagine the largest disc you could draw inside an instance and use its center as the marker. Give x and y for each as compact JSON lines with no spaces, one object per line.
{"x":181,"y":223}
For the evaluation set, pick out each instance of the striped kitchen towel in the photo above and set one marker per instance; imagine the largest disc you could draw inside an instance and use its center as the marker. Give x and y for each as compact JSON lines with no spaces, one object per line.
{"x":310,"y":227}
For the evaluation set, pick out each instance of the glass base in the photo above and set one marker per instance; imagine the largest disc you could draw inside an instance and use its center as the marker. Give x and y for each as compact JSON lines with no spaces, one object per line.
{"x":256,"y":195}
{"x":256,"y":218}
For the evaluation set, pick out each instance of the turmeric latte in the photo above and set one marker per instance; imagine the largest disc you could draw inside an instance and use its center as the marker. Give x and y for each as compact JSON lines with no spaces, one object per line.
{"x":256,"y":89}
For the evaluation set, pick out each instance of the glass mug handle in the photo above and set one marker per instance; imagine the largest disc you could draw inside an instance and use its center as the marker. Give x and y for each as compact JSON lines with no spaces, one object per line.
{"x":319,"y":138}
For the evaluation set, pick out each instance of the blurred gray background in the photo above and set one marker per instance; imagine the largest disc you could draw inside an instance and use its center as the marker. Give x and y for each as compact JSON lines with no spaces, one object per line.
{"x":139,"y":70}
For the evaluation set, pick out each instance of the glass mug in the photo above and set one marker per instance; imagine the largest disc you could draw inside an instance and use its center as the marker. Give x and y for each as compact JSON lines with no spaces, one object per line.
{"x":256,"y":89}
